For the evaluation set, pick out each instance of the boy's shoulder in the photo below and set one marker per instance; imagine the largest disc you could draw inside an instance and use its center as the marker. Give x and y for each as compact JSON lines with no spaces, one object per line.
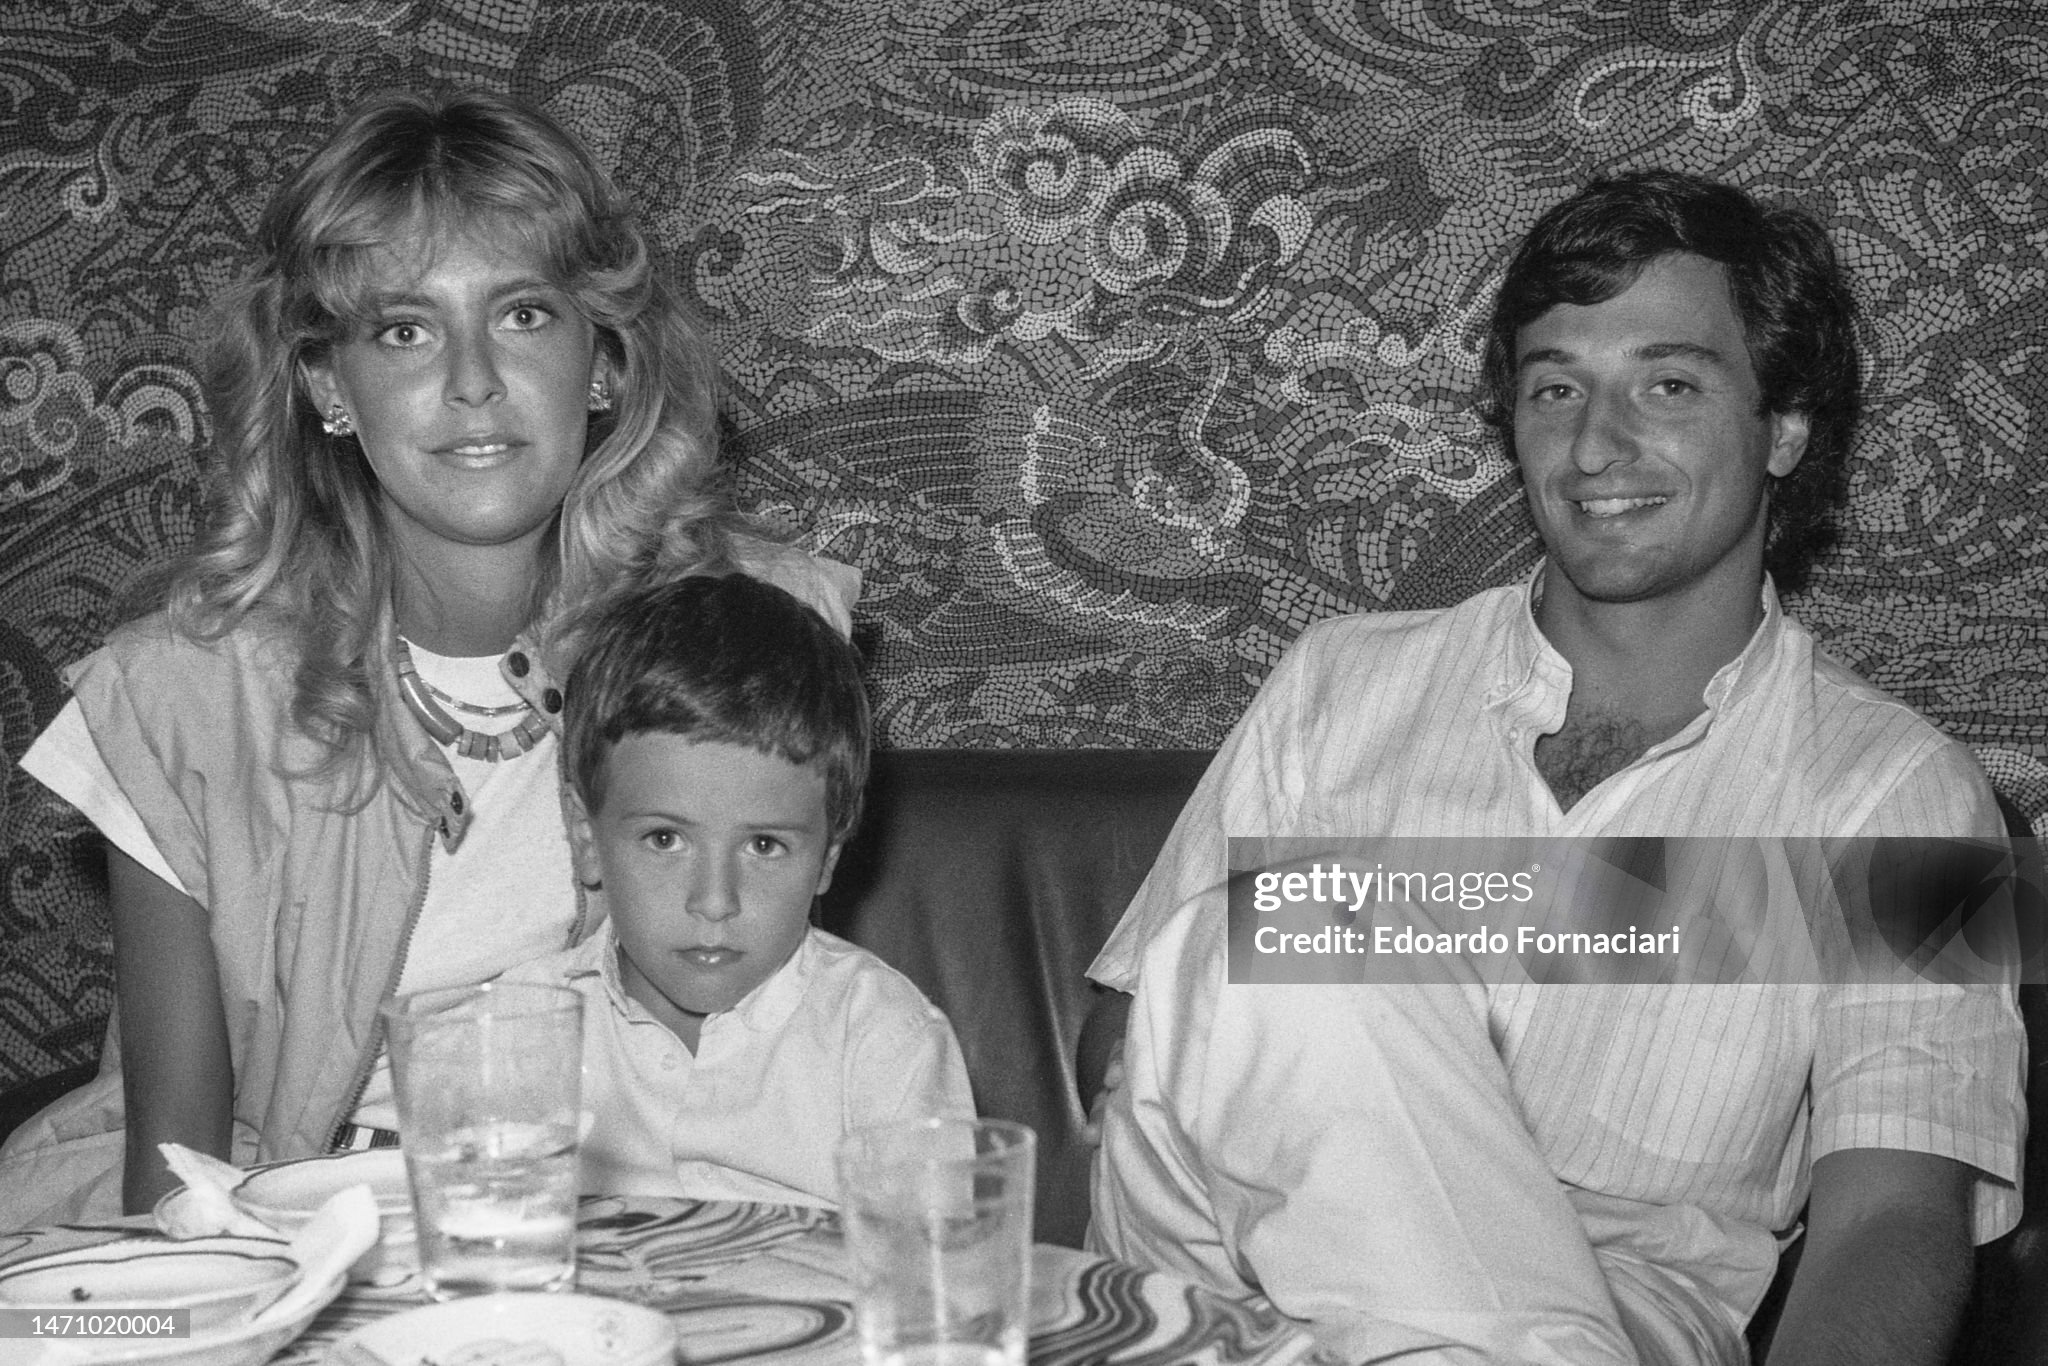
{"x":843,"y":976}
{"x":894,"y":1051}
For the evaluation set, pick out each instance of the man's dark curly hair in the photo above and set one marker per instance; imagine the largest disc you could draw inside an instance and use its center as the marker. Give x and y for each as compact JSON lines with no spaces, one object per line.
{"x":1789,"y":292}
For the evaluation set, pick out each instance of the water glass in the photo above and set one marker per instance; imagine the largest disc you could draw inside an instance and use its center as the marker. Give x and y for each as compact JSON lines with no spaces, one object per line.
{"x":938,"y":1226}
{"x":488,"y":1084}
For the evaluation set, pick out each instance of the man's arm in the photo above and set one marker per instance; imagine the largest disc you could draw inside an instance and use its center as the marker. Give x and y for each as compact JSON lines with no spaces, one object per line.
{"x":1888,"y":1261}
{"x":1099,"y":1058}
{"x":1886,"y":1268}
{"x":1252,"y":788}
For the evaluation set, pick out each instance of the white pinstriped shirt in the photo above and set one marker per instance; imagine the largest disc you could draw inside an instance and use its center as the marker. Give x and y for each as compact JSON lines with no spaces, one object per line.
{"x":1716,"y":1097}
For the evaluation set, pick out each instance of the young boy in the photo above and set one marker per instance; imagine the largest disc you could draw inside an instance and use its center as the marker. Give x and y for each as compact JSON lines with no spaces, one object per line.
{"x":717,"y":743}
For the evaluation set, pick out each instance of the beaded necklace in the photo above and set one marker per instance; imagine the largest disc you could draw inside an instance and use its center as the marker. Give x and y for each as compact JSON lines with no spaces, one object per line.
{"x":446,"y":730}
{"x":450,"y":700}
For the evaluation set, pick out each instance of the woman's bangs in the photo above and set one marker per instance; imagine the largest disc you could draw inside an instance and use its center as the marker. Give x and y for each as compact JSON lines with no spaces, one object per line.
{"x":550,"y":232}
{"x":523,"y":203}
{"x":350,"y":266}
{"x":345,"y":260}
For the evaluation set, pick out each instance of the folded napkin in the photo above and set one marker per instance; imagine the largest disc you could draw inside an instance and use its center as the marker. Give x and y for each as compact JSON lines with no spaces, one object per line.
{"x":325,"y":1248}
{"x":211,"y":1206}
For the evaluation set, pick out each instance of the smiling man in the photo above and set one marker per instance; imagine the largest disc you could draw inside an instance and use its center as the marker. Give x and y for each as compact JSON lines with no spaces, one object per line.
{"x":1475,"y":1171}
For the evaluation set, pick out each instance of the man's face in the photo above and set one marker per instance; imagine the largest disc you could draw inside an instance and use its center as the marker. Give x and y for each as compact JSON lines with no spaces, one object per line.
{"x":1642,"y":451}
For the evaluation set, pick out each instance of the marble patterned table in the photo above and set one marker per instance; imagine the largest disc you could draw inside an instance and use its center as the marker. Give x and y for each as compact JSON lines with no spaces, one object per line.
{"x":746,"y":1283}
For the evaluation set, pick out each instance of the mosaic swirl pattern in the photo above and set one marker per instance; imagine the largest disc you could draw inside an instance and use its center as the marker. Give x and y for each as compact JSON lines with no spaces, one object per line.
{"x":1115,"y":343}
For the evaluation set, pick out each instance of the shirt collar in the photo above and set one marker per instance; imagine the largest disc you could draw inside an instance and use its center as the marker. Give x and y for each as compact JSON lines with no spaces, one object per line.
{"x":1528,"y":658}
{"x":523,"y":668}
{"x":450,"y":810}
{"x":1745,"y":673}
{"x":526,"y":670}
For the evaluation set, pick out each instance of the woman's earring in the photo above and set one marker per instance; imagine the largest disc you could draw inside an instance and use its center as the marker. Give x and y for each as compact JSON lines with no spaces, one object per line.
{"x":337,"y":422}
{"x":600,"y":396}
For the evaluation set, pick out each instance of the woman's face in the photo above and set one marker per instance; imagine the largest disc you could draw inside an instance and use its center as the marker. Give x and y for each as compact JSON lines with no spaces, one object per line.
{"x":469,"y":389}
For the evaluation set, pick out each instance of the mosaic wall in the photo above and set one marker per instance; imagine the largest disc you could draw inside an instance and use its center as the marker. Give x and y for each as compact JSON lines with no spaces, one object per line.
{"x":1115,"y":342}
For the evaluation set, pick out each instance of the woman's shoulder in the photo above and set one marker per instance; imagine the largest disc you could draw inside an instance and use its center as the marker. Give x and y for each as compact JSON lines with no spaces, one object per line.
{"x":826,"y":586}
{"x":158,"y":635}
{"x":154,"y":654}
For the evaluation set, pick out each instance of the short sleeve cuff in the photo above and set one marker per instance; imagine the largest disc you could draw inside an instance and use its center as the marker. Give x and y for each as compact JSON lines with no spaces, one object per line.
{"x":1994,"y":1194}
{"x":65,"y":759}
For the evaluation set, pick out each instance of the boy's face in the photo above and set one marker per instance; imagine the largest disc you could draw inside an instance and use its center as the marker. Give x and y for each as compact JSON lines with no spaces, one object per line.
{"x":710,"y":854}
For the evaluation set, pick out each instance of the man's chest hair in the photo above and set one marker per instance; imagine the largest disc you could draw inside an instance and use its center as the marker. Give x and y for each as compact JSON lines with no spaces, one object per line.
{"x":1588,"y":750}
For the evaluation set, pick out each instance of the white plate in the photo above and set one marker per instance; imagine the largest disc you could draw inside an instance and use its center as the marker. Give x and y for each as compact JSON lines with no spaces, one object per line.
{"x":287,"y":1194}
{"x":247,"y":1345}
{"x":284,"y":1193}
{"x":220,"y":1280}
{"x":506,"y":1330}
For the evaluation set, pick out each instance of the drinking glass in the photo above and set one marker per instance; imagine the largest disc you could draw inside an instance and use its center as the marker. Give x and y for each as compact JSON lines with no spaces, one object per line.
{"x":938,"y":1226}
{"x":488,"y":1081}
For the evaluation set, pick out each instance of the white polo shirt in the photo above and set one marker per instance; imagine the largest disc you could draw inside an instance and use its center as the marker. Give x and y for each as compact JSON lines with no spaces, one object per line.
{"x":835,"y":1040}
